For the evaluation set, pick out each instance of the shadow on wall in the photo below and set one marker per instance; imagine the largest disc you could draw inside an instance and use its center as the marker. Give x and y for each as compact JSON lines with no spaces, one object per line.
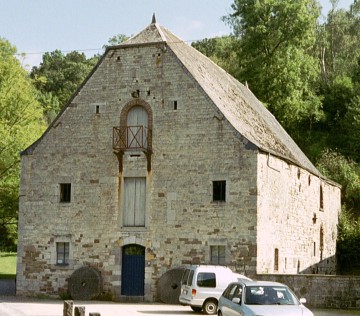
{"x":325,"y":267}
{"x":169,"y":286}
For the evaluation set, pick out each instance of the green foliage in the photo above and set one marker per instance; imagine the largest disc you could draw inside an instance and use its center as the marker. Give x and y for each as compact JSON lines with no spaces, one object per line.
{"x":348,"y":255}
{"x":276,"y":38}
{"x":336,"y":167}
{"x":117,"y":39}
{"x":222,"y":51}
{"x":20,"y":125}
{"x":58,"y":77}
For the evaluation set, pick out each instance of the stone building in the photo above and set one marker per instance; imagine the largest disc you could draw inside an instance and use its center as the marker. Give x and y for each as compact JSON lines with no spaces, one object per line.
{"x":162,"y":159}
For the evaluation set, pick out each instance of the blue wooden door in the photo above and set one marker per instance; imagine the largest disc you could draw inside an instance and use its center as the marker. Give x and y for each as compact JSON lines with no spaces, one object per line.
{"x":133,"y":270}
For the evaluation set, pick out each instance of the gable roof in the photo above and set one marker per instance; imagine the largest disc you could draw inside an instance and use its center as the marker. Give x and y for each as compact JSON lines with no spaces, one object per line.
{"x":236,"y":102}
{"x":238,"y":105}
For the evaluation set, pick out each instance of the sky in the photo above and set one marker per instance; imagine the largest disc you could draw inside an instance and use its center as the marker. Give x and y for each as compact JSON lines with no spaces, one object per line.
{"x":38,"y":26}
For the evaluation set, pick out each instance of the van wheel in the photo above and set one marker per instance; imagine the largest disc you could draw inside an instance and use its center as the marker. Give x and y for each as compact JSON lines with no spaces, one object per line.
{"x":196,"y":308}
{"x":210,"y":307}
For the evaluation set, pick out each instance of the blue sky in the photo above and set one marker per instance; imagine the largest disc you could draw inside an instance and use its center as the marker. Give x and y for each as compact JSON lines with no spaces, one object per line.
{"x":37,"y":26}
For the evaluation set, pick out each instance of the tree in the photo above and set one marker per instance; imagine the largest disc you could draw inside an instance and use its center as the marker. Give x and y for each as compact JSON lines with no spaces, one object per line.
{"x":344,"y":171}
{"x":58,"y":77}
{"x":20,"y":125}
{"x":116,"y":40}
{"x":222,"y":51}
{"x":276,"y":38}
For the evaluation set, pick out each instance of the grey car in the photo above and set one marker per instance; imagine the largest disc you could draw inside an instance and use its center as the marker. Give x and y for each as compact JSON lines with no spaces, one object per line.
{"x":253,"y":298}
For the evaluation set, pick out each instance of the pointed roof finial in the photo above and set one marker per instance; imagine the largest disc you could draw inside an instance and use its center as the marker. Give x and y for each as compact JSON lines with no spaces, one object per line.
{"x":153,"y":21}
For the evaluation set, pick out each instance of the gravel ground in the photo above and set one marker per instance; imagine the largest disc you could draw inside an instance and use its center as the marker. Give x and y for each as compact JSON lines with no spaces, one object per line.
{"x":18,"y":306}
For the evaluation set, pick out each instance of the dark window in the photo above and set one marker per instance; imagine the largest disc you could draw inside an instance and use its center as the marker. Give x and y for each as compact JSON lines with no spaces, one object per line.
{"x":219,"y":190}
{"x":62,"y":253}
{"x":217,"y":255}
{"x":175,"y":105}
{"x":276,"y":260}
{"x":321,"y":198}
{"x":65,"y":192}
{"x":206,"y":279}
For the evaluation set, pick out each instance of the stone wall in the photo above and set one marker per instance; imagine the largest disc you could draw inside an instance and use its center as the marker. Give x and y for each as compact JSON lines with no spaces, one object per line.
{"x":292,"y":221}
{"x":322,"y":291}
{"x":191,"y":147}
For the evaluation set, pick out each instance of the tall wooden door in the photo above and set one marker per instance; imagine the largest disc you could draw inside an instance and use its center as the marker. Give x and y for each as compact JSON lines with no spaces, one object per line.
{"x":133,"y":270}
{"x":134,"y":204}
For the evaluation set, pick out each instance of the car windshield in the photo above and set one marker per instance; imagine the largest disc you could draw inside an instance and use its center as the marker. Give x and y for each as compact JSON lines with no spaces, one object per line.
{"x":269,"y":295}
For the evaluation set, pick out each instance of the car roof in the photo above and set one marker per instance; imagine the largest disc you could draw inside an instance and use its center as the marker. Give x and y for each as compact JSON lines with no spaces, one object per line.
{"x":258,"y":283}
{"x":207,"y":267}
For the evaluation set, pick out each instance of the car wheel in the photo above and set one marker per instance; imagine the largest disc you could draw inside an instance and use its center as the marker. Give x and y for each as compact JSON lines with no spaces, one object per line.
{"x":196,"y":308}
{"x":210,"y":307}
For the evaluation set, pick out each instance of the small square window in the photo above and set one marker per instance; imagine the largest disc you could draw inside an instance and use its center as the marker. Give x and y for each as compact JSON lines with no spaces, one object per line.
{"x":65,"y":192}
{"x":219,"y":191}
{"x":62,"y":253}
{"x":217,"y":254}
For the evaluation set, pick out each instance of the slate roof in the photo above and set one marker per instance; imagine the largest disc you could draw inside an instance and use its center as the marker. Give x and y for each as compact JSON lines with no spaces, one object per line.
{"x":236,"y":102}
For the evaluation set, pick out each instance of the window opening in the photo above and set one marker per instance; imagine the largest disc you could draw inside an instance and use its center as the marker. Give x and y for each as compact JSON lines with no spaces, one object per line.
{"x":134,"y":202}
{"x":321,"y":198}
{"x":175,"y":105}
{"x":219,"y":191}
{"x":62,"y":253}
{"x":321,"y":242}
{"x":206,"y":279}
{"x":217,"y":254}
{"x":65,"y":192}
{"x":276,"y":260}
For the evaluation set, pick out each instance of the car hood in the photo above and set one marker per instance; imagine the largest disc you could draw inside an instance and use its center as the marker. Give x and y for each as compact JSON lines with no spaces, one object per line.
{"x":280,"y":310}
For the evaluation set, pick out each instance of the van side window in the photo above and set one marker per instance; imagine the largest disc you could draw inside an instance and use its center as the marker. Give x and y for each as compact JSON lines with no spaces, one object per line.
{"x":206,"y":279}
{"x":185,"y":276}
{"x":190,"y":279}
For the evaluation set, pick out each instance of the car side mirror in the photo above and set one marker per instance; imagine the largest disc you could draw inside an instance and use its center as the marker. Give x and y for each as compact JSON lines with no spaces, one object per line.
{"x":302,"y":300}
{"x":236,"y":300}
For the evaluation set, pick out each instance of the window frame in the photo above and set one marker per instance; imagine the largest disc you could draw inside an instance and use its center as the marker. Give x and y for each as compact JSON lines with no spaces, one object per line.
{"x":62,"y":253}
{"x":134,"y":209}
{"x":65,"y":193}
{"x":219,"y":191}
{"x":218,"y":255}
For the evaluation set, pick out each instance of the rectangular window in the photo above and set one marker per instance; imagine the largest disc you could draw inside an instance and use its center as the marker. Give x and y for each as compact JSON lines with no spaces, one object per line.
{"x":65,"y":192}
{"x":217,"y":254}
{"x":219,"y":191}
{"x":134,"y":202}
{"x":206,"y":279}
{"x":62,"y":253}
{"x":276,"y":259}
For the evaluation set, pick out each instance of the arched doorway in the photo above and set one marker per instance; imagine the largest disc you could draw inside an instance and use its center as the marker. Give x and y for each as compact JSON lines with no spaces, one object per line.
{"x":133,"y":270}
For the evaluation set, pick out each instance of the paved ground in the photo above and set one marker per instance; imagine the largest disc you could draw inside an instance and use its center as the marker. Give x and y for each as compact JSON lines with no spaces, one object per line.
{"x":15,"y":306}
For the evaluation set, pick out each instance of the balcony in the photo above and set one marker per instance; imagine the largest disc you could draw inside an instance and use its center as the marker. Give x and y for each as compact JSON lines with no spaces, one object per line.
{"x":131,"y":138}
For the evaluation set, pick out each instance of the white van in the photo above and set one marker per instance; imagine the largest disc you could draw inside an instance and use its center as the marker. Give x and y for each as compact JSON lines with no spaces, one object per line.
{"x":202,"y":285}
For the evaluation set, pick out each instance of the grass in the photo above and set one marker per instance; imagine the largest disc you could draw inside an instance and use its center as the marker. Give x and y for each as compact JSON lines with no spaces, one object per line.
{"x":7,"y":265}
